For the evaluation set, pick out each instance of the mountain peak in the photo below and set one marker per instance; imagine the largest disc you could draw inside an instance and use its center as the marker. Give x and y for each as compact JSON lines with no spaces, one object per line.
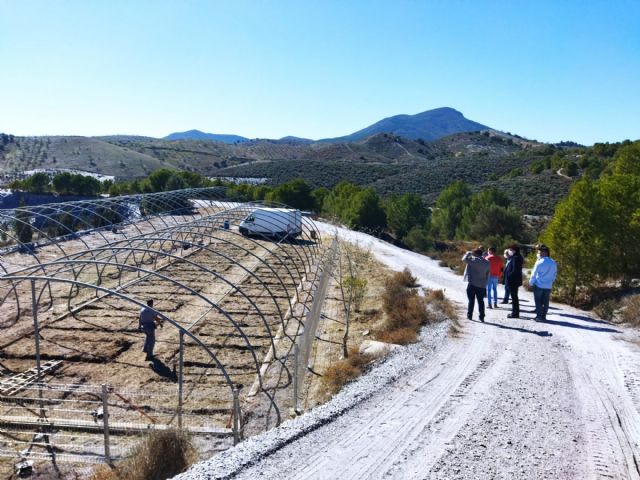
{"x":427,"y":125}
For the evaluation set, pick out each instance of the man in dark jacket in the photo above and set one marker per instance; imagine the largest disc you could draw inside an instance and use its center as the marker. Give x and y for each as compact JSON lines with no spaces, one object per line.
{"x":476,"y":273}
{"x":513,"y":279}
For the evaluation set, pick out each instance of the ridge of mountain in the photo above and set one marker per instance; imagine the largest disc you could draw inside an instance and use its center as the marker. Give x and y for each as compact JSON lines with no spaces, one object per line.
{"x":428,"y":125}
{"x":199,"y":135}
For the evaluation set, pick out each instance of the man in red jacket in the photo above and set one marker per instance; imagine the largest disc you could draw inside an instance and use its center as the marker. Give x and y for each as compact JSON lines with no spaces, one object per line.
{"x":495,"y":272}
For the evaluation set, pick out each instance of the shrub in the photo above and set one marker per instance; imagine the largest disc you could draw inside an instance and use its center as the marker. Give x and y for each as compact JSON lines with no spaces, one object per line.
{"x":404,"y":278}
{"x":418,"y":239}
{"x":439,"y":303}
{"x":606,"y":309}
{"x":161,"y":455}
{"x":344,"y":371}
{"x":631,"y":310}
{"x":401,"y":336}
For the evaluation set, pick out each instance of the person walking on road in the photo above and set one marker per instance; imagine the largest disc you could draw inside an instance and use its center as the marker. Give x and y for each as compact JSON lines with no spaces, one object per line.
{"x":507,"y":258}
{"x":476,"y":273}
{"x":495,"y":271}
{"x":513,"y":279}
{"x":542,"y":277}
{"x":148,"y":322}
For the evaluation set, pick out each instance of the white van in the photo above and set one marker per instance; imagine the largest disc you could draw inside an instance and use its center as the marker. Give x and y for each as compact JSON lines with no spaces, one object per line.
{"x":272,"y":222}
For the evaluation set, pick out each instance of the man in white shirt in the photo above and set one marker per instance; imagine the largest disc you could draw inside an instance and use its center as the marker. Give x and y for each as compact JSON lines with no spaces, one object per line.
{"x":542,"y":277}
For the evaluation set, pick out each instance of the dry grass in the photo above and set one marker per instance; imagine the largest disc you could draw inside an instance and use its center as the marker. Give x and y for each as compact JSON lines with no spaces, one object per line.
{"x":405,"y":310}
{"x":347,"y":369}
{"x":405,"y":278}
{"x":631,"y":310}
{"x":607,"y":309}
{"x":161,"y":455}
{"x":440,"y":304}
{"x":401,"y":336}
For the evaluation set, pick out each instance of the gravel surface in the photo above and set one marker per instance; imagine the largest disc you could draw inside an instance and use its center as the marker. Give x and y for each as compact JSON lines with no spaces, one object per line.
{"x":505,"y":399}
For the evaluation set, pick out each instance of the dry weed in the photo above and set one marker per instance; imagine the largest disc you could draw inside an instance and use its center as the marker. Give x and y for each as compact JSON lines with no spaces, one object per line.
{"x":401,"y":336}
{"x":631,"y":310}
{"x":344,"y":371}
{"x":405,"y":278}
{"x":440,"y":304}
{"x":607,"y":309}
{"x":161,"y":455}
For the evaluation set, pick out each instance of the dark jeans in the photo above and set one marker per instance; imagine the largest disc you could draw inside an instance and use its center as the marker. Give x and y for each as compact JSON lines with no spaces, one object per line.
{"x":541,"y":296}
{"x":515,"y":302}
{"x":473,"y":294}
{"x":149,"y":341}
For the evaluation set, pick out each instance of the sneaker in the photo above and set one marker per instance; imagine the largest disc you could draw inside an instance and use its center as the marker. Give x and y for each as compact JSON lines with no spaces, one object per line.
{"x":504,"y":302}
{"x":489,"y":306}
{"x":495,"y":305}
{"x":511,"y":315}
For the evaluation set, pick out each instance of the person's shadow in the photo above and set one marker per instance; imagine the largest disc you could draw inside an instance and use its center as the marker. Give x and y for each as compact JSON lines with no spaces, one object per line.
{"x":580,"y":327}
{"x":161,"y":369}
{"x":539,"y":333}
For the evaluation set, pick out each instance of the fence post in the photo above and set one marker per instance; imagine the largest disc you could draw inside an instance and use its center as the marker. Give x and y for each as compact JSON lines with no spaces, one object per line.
{"x":237,"y":422}
{"x":180,"y":379}
{"x":296,"y":367}
{"x":105,"y":421}
{"x":36,"y":336}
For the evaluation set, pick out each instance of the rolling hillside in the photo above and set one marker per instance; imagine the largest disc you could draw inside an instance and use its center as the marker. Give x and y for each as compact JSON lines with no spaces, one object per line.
{"x":388,"y":163}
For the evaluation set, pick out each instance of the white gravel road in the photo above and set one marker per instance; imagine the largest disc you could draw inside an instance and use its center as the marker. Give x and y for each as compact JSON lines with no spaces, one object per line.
{"x":506,"y":399}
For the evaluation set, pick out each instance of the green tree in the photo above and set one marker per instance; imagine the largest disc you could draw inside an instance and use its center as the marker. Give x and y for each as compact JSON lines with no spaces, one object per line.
{"x":405,"y":212}
{"x":37,"y":183}
{"x":448,"y":209}
{"x":175,"y":182}
{"x":338,"y":200}
{"x":577,"y":236}
{"x":483,"y":213}
{"x":627,"y":159}
{"x":419,"y":239}
{"x":62,"y":183}
{"x":365,"y":212}
{"x":296,"y":193}
{"x":318,"y":195}
{"x":620,"y":196}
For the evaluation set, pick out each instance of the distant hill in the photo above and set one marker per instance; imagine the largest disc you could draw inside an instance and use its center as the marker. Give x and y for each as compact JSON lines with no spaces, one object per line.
{"x":387,"y":162}
{"x":198,"y":135}
{"x":429,"y":125}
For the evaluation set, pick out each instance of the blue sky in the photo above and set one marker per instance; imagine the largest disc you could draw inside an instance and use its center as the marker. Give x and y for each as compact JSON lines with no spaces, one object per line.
{"x":549,"y":70}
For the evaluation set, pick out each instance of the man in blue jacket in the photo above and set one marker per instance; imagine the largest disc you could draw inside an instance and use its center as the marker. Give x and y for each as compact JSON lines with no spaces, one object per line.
{"x":542,"y":277}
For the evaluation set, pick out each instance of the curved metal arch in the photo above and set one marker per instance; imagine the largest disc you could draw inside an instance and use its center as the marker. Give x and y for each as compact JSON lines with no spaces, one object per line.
{"x":21,"y":278}
{"x":199,"y":193}
{"x":162,"y":277}
{"x":214,"y":252}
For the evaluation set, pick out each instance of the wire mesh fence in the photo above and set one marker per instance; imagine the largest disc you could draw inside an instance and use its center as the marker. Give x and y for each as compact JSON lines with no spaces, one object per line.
{"x":89,"y":423}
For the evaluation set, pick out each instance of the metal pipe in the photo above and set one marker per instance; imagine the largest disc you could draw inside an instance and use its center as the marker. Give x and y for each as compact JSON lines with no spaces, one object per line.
{"x":105,"y":421}
{"x":180,"y":379}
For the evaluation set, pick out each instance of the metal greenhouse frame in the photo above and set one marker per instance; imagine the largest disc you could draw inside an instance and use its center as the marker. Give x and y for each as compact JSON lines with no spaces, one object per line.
{"x":217,"y":283}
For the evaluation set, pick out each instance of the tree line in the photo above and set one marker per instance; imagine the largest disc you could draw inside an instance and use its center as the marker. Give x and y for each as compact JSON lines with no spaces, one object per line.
{"x":594,"y":232}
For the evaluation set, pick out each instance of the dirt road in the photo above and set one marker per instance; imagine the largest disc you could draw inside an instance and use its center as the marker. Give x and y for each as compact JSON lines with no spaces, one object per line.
{"x":506,"y":399}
